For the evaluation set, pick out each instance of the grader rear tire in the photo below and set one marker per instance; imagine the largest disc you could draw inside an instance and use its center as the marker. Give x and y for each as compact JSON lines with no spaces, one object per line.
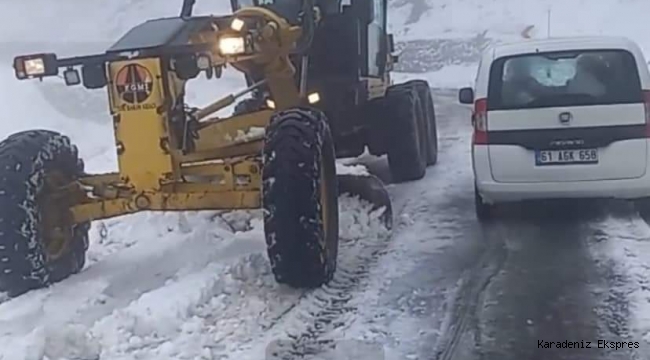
{"x":27,"y":258}
{"x":407,"y":151}
{"x":429,"y":117}
{"x":300,"y":198}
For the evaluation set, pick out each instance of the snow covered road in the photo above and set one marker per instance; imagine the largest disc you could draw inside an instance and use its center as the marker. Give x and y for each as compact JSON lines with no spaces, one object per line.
{"x":574,"y":271}
{"x":183,"y":286}
{"x":198,"y":286}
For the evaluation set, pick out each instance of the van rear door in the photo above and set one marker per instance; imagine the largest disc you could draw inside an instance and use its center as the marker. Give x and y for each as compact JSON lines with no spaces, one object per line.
{"x":566,"y":116}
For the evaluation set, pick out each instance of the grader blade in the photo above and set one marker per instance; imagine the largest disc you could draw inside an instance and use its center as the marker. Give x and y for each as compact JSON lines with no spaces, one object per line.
{"x":371,"y":189}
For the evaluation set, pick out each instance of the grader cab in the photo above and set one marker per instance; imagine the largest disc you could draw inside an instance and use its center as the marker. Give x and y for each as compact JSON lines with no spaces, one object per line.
{"x":318,"y":80}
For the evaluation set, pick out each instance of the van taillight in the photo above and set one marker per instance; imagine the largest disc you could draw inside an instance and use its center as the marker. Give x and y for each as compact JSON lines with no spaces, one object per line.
{"x":479,"y":119}
{"x":646,"y":104}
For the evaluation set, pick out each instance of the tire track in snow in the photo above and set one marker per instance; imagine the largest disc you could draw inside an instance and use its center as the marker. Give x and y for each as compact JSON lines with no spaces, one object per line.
{"x":313,"y":312}
{"x":462,"y":319}
{"x":618,"y":244}
{"x":320,"y":309}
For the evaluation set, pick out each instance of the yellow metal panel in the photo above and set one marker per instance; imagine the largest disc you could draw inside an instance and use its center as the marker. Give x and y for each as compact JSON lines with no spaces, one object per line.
{"x":248,"y":175}
{"x":224,"y":132}
{"x":167,"y":202}
{"x":249,"y":148}
{"x":140,"y":129}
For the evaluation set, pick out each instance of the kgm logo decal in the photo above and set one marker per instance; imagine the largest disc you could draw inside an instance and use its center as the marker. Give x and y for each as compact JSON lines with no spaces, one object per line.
{"x":134,"y":85}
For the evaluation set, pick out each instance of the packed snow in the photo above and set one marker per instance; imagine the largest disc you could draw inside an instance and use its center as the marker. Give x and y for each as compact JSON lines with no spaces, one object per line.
{"x":252,"y":133}
{"x":182,"y":291}
{"x":624,"y":245}
{"x":358,"y":169}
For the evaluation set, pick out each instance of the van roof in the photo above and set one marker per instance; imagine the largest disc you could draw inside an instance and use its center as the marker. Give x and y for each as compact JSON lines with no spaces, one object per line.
{"x":562,"y":43}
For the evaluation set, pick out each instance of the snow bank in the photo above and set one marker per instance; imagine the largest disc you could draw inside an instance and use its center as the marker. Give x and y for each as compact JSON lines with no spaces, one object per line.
{"x":508,"y":20}
{"x":449,"y":77}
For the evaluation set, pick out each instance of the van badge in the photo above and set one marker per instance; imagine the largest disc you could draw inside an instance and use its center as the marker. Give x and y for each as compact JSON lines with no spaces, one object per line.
{"x":567,"y":143}
{"x":565,"y":117}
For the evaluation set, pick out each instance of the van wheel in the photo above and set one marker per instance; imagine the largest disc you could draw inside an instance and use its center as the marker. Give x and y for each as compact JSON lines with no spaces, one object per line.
{"x":643,"y":207}
{"x":407,"y":151}
{"x":484,"y":211}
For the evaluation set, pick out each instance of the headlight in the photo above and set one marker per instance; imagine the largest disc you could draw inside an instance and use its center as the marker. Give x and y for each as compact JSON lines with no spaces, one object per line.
{"x":313,"y":98}
{"x":40,"y":65}
{"x":34,"y":67}
{"x":232,"y":45}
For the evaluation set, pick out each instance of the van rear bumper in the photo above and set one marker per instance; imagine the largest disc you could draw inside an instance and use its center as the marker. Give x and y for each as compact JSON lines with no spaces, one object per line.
{"x":497,"y":192}
{"x":493,"y":192}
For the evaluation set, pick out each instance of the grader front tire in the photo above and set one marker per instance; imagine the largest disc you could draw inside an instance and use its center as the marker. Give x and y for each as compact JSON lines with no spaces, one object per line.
{"x":29,"y":259}
{"x":300,"y":198}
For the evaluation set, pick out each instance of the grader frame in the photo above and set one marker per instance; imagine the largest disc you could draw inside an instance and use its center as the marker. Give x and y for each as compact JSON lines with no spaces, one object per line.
{"x":154,"y":162}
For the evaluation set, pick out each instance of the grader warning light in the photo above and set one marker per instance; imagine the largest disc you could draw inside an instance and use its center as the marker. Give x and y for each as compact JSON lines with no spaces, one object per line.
{"x":237,"y":24}
{"x":318,"y":87}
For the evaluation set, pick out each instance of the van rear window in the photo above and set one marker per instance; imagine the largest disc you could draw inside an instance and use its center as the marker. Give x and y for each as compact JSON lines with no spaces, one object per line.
{"x":564,"y":78}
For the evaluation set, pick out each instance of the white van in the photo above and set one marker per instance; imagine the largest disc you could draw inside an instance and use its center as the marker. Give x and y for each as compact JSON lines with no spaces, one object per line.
{"x":560,"y":118}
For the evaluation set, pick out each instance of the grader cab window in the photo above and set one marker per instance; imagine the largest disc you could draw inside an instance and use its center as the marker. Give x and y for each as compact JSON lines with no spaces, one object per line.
{"x":238,"y":4}
{"x":288,"y":9}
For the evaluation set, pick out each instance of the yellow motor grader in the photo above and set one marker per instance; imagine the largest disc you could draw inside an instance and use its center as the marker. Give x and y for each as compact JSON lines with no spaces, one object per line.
{"x":318,"y":79}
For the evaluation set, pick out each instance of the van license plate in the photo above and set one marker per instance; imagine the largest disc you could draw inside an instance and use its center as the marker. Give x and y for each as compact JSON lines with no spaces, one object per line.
{"x":566,"y":157}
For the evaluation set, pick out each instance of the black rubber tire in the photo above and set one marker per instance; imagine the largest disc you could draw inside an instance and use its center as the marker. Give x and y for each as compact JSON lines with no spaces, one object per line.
{"x":642,"y":206}
{"x":484,"y":211}
{"x":247,"y":106}
{"x":407,"y":147}
{"x":298,"y":161}
{"x":25,"y":159}
{"x":428,"y":109}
